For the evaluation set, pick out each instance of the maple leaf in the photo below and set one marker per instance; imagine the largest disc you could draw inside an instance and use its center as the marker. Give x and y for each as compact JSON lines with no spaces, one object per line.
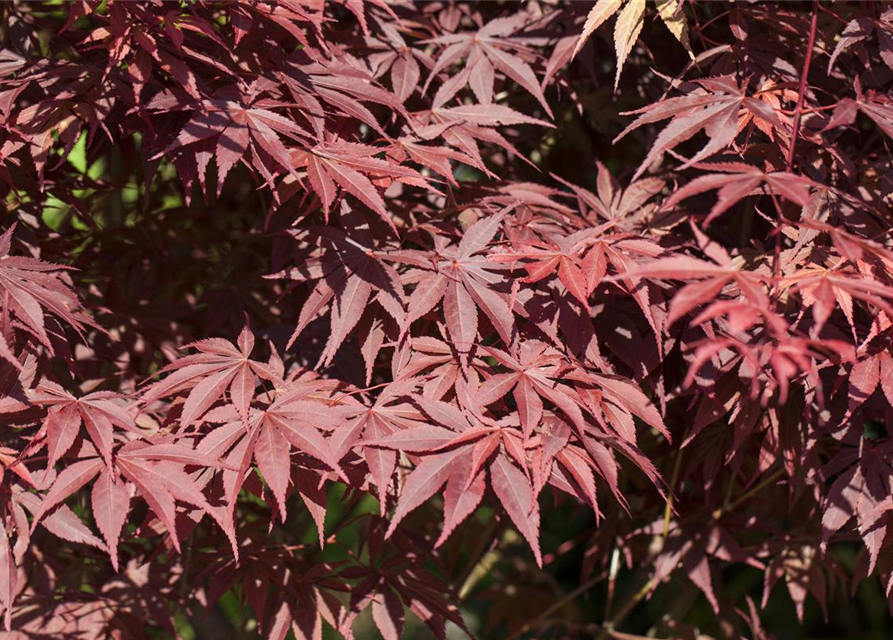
{"x":492,"y":48}
{"x":460,"y":453}
{"x":629,"y":24}
{"x":860,"y":491}
{"x":284,"y":593}
{"x":65,"y":524}
{"x":357,"y":7}
{"x":549,"y":256}
{"x":438,"y":366}
{"x":399,"y":581}
{"x":734,"y":181}
{"x":240,"y":125}
{"x":436,"y":158}
{"x":533,"y":378}
{"x":291,"y":420}
{"x":294,"y":19}
{"x":876,"y":106}
{"x":613,"y":203}
{"x":31,"y":290}
{"x":70,"y":480}
{"x":341,"y":83}
{"x":710,"y":279}
{"x":41,"y":131}
{"x":803,"y":574}
{"x":463,"y":127}
{"x":773,"y":93}
{"x":823,"y":288}
{"x":772,"y":362}
{"x":157,"y":471}
{"x":461,"y":279}
{"x":349,"y":276}
{"x":400,"y":59}
{"x":96,"y":412}
{"x":219,"y":365}
{"x":690,"y":548}
{"x":40,"y":125}
{"x":614,"y":400}
{"x":389,"y":414}
{"x":860,"y":29}
{"x":603,"y":249}
{"x":714,"y":108}
{"x":348,"y":166}
{"x":865,"y":377}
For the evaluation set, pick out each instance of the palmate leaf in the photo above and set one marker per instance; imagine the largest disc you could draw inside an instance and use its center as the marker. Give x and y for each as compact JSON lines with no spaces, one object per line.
{"x":715,"y":109}
{"x":342,"y":84}
{"x":824,"y":288}
{"x":96,"y":412}
{"x":860,"y":29}
{"x":63,"y":523}
{"x":709,"y":279}
{"x":238,"y":130}
{"x":157,"y":474}
{"x":460,"y":279}
{"x":861,"y":491}
{"x":464,"y":128}
{"x":866,"y":376}
{"x":524,"y":343}
{"x":734,"y":181}
{"x":389,"y":414}
{"x":690,"y":550}
{"x":803,"y":574}
{"x":217,"y":367}
{"x":351,"y":167}
{"x":553,"y":256}
{"x":294,"y":420}
{"x":348,"y":277}
{"x":31,"y":290}
{"x":492,"y":48}
{"x":460,"y":453}
{"x":629,"y":25}
{"x":464,"y":451}
{"x":876,"y":107}
{"x":533,"y":379}
{"x":395,"y":55}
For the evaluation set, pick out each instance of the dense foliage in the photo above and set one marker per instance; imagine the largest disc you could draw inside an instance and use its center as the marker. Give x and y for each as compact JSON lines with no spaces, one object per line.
{"x":491,"y":318}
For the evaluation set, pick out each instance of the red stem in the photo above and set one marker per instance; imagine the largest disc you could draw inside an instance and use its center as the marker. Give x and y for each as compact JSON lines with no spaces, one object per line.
{"x":811,"y":110}
{"x":698,"y":28}
{"x":714,"y":19}
{"x":831,"y":13}
{"x":776,"y":259}
{"x":798,"y":112}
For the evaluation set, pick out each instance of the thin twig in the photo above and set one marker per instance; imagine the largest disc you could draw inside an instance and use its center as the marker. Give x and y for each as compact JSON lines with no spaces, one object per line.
{"x":698,"y":29}
{"x":801,"y":95}
{"x":484,"y":541}
{"x":625,"y":610}
{"x":777,"y":232}
{"x":532,"y":624}
{"x":668,"y":510}
{"x":748,"y":494}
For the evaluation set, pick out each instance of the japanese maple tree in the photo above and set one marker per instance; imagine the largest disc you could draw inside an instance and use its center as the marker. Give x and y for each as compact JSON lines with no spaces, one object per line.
{"x":446,"y":319}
